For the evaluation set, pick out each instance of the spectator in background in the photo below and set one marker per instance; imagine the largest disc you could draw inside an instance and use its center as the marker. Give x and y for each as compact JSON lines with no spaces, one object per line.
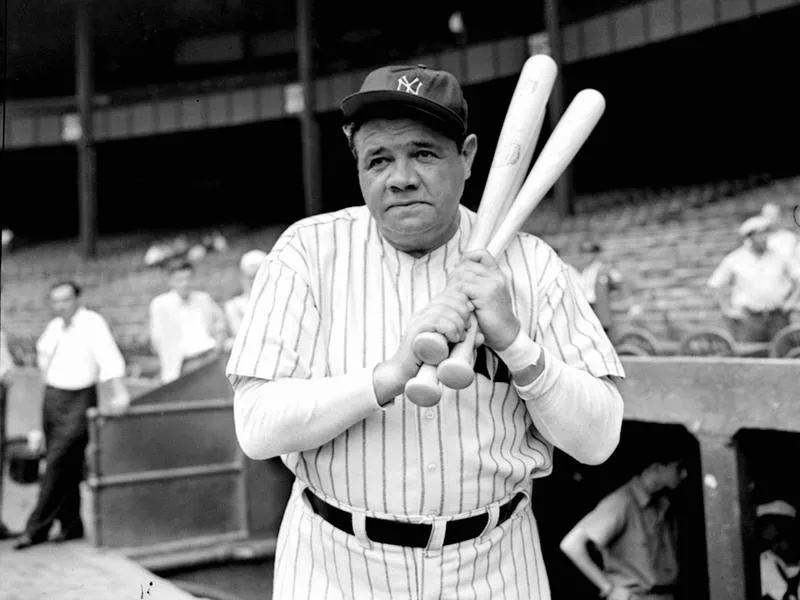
{"x":234,"y":308}
{"x":756,"y":287}
{"x":6,"y":367}
{"x":780,"y":557}
{"x":187,"y":328}
{"x":75,"y":353}
{"x":780,"y":240}
{"x":635,"y":532}
{"x":597,"y":281}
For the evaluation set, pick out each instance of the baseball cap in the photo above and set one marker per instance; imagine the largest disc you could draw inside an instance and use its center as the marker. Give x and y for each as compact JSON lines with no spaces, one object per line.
{"x":434,"y":96}
{"x":753,"y":224}
{"x":777,"y":508}
{"x":250,"y":262}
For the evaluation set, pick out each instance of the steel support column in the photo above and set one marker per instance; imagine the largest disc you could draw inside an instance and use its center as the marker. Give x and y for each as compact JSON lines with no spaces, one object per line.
{"x":723,"y":517}
{"x":312,"y":176}
{"x":564,"y":186}
{"x":84,"y":89}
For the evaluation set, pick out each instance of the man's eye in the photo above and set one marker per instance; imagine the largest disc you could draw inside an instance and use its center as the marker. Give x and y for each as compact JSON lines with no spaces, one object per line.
{"x":425,"y":154}
{"x":377,"y":161}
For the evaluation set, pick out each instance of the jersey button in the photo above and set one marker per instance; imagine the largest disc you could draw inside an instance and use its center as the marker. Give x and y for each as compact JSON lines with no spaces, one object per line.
{"x":432,"y":467}
{"x":429,"y":414}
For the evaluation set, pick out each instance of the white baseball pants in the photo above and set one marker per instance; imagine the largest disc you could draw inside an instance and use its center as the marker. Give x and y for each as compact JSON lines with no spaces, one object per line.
{"x":316,"y":561}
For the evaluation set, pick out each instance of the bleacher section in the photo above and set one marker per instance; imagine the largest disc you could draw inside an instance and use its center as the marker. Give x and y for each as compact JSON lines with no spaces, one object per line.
{"x":666,"y":243}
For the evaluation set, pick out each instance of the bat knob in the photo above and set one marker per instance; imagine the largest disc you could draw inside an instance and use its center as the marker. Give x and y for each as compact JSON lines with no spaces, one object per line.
{"x":430,"y":347}
{"x":455,"y":374}
{"x":424,"y":389}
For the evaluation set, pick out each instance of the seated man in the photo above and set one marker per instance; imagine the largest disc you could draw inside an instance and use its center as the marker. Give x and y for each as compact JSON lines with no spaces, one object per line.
{"x":234,"y":308}
{"x":780,"y":558}
{"x":187,"y":328}
{"x":635,"y":533}
{"x":756,"y":287}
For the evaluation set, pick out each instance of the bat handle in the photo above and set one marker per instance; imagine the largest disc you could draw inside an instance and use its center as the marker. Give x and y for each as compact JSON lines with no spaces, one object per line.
{"x":424,"y":389}
{"x":430,"y":347}
{"x":456,"y":372}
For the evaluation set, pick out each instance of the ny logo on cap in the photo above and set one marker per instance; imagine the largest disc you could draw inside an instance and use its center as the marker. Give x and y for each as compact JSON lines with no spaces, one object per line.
{"x":412,"y":87}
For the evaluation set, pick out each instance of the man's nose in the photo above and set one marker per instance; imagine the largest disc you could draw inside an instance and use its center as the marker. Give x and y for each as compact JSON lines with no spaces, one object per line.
{"x":403,"y":175}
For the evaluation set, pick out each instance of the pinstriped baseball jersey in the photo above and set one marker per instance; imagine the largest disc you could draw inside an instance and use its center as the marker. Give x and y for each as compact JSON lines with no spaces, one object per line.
{"x":334,"y":296}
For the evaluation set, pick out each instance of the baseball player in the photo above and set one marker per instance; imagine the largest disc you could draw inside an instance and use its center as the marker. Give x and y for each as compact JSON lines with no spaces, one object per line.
{"x":393,"y":500}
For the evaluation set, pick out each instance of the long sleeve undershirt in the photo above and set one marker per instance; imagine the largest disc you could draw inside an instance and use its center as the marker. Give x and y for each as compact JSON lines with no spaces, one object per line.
{"x":577,"y":412}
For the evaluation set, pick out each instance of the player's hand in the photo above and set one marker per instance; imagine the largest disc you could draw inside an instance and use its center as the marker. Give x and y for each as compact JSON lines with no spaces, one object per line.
{"x":620,"y":593}
{"x":119,"y":403}
{"x":448,"y":314}
{"x":480,"y":278}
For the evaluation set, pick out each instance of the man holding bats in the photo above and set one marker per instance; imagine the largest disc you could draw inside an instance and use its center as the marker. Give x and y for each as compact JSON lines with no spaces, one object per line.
{"x":392,"y":499}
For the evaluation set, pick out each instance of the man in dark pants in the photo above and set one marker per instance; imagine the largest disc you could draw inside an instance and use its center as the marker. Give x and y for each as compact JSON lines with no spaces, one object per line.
{"x":75,"y":353}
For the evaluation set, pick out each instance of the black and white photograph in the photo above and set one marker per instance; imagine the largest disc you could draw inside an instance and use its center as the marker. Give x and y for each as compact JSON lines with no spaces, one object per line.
{"x":444,"y":300}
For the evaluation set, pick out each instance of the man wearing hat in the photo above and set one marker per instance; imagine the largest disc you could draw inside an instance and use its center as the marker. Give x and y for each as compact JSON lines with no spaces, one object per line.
{"x":234,"y":308}
{"x":392,"y":499}
{"x":780,"y":559}
{"x":756,"y":287}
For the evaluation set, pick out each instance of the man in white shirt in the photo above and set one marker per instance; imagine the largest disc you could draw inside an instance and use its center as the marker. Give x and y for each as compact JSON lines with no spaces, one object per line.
{"x":234,"y":308}
{"x":756,"y":287}
{"x":187,"y":328}
{"x":780,"y":559}
{"x":75,"y":353}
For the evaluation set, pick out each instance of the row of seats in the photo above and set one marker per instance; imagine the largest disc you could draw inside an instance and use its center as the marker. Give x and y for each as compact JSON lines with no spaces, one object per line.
{"x":665,"y":264}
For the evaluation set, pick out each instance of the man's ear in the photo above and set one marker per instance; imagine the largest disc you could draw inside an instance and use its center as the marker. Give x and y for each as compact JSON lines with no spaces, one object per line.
{"x":468,"y":150}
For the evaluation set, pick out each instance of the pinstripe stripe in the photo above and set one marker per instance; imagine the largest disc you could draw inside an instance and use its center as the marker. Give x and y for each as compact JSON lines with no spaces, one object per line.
{"x":478,"y":437}
{"x":311,"y":548}
{"x":349,"y":554}
{"x":410,"y":584}
{"x":296,"y":556}
{"x":246,"y":330}
{"x":461,"y":452}
{"x":345,"y":357}
{"x":386,"y":572}
{"x":413,"y":582}
{"x":263,"y":344}
{"x":492,"y":442}
{"x":334,"y":556}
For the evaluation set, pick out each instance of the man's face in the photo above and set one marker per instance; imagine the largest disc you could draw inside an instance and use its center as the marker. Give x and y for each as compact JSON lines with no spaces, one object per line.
{"x":758,"y":239}
{"x":776,"y":535}
{"x":672,"y":475}
{"x":412,"y":179}
{"x":181,"y":282}
{"x":63,"y":301}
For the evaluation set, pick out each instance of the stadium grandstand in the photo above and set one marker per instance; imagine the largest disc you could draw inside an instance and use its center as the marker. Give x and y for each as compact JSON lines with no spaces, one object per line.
{"x":126,"y":122}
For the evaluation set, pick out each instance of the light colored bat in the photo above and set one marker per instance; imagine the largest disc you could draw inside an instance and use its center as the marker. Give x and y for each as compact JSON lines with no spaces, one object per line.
{"x":570,"y":133}
{"x":513,"y":154}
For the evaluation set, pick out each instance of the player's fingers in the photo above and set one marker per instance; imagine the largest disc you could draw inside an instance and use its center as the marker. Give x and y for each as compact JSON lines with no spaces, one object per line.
{"x":451,"y":328}
{"x":456,"y":300}
{"x":482,"y":258}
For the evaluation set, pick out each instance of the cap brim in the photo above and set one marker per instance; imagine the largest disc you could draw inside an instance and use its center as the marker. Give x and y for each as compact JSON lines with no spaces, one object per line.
{"x":374,"y":103}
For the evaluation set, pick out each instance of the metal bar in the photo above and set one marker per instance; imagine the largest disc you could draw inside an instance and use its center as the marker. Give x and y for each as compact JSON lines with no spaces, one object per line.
{"x":244,"y":504}
{"x":186,"y":544}
{"x":564,"y":184}
{"x":164,"y":475}
{"x":723,"y":518}
{"x":145,"y":410}
{"x":87,"y":182}
{"x":95,"y":472}
{"x":310,"y":128}
{"x":157,"y":559}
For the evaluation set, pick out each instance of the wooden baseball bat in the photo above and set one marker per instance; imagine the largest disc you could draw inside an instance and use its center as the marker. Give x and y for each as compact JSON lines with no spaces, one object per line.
{"x":513,"y":154}
{"x":570,"y":133}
